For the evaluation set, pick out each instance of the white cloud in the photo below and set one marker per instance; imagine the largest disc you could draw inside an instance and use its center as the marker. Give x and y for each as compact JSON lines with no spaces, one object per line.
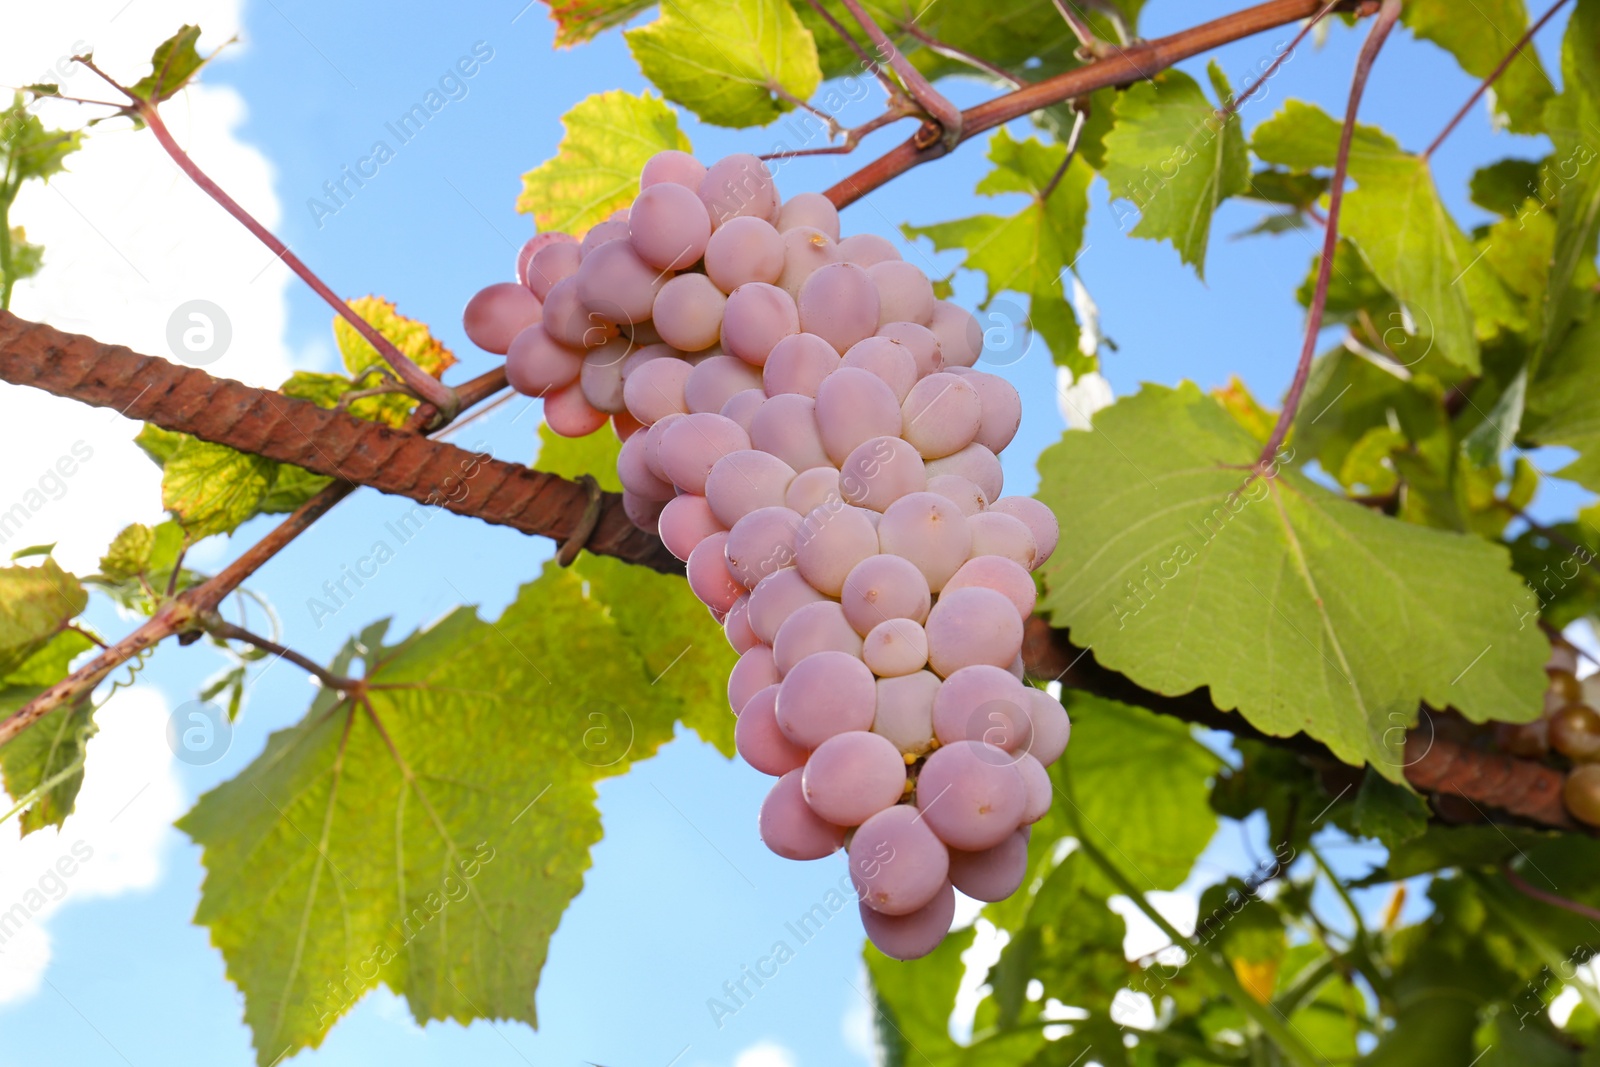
{"x":765,"y":1054}
{"x":1080,"y":398}
{"x":857,"y":1028}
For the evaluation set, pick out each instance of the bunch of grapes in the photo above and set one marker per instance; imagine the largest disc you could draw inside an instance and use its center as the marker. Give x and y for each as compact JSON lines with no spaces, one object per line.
{"x":1570,"y":727}
{"x":802,"y":426}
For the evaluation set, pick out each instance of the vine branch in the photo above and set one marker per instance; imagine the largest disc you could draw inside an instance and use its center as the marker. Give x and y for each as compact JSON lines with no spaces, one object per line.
{"x":945,"y":114}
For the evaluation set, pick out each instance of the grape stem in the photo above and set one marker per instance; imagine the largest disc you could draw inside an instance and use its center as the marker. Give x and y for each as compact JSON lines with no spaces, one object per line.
{"x":960,"y":55}
{"x":943,"y":113}
{"x":1090,"y":46}
{"x":890,"y":86}
{"x":1232,"y":106}
{"x":219,"y":627}
{"x":1527,"y":889}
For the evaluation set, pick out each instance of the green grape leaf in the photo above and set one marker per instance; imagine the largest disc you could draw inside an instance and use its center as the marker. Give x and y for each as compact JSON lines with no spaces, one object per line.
{"x":399,"y":854}
{"x":36,"y":603}
{"x":1480,"y":35}
{"x":172,"y":66}
{"x":1391,"y":813}
{"x":1503,"y":187}
{"x":213,"y":489}
{"x":1294,"y":188}
{"x":1301,"y":611}
{"x":1071,"y":942}
{"x":26,"y":259}
{"x":1563,"y":404}
{"x":159,"y":444}
{"x":129,"y":552}
{"x":1572,"y":177}
{"x":609,"y":138}
{"x":573,"y":457}
{"x":578,"y":21}
{"x":44,"y":763}
{"x":728,"y":60}
{"x":1175,"y":158}
{"x":411,"y":337}
{"x":30,"y":151}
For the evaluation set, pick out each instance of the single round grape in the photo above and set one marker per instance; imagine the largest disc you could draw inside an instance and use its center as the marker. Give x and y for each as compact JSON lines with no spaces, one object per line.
{"x":968,"y":626}
{"x":798,"y":364}
{"x":813,"y":628}
{"x":537,"y":363}
{"x":853,"y":776}
{"x":993,"y":874}
{"x":970,"y":795}
{"x":910,"y":937}
{"x":532,"y":247}
{"x":645,"y":514}
{"x":1581,"y":792}
{"x":753,"y":673}
{"x":760,"y":742}
{"x":879,"y":472}
{"x":745,"y":249}
{"x":497,"y":313}
{"x":805,"y":251}
{"x":832,"y":540}
{"x":680,"y":168}
{"x":991,"y":706}
{"x":616,"y":284}
{"x":884,"y":587}
{"x":552,"y":263}
{"x":612,"y":229}
{"x":813,"y":488}
{"x":650,"y":450}
{"x":956,"y":489}
{"x":941,"y":415}
{"x":568,"y":414}
{"x":865,"y":249}
{"x":691,"y":446}
{"x":739,"y":185}
{"x":895,"y":647}
{"x":904,"y":711}
{"x":742,"y":406}
{"x":1565,"y":684}
{"x":715,"y":380}
{"x":668,"y":226}
{"x":655,"y":389}
{"x":824,"y":694}
{"x":1036,"y":784}
{"x":1575,"y":733}
{"x":642,"y":354}
{"x":904,"y":293}
{"x":685,"y":522}
{"x":839,"y":304}
{"x":1002,"y":410}
{"x":625,"y":425}
{"x":1037,"y":517}
{"x":775,"y":598}
{"x":1004,"y":576}
{"x":810,"y":209}
{"x":853,"y":406}
{"x":760,"y":543}
{"x":757,"y":317}
{"x":922,"y":343}
{"x":997,"y":534}
{"x":960,"y":336}
{"x":896,"y":861}
{"x":744,"y":481}
{"x":569,"y":322}
{"x":709,"y":577}
{"x":790,"y":828}
{"x":601,"y":376}
{"x":1051,"y":727}
{"x":889,"y":360}
{"x":786,"y":426}
{"x":974,"y":463}
{"x":929,"y":531}
{"x":688,"y":311}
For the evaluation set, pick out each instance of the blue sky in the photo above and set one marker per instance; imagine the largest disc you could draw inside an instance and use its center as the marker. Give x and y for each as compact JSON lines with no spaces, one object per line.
{"x":681,"y":894}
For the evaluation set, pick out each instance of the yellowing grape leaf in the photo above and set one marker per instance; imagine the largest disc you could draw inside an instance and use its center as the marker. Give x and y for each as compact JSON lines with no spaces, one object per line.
{"x":609,"y":137}
{"x":211,"y":488}
{"x":726,"y":60}
{"x":579,"y":20}
{"x":1480,"y":34}
{"x":35,"y":604}
{"x":411,"y":337}
{"x":1298,"y":609}
{"x":43,"y":766}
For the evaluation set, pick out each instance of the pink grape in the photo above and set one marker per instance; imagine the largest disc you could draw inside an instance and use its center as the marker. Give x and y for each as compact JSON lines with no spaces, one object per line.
{"x":642,"y":354}
{"x":813,"y":628}
{"x":497,"y":313}
{"x":970,"y":795}
{"x":929,"y":531}
{"x":884,"y":587}
{"x":904,"y":292}
{"x":897,"y":862}
{"x":996,"y":534}
{"x":966,"y":496}
{"x":742,"y":406}
{"x":760,"y":742}
{"x":831,"y":542}
{"x":974,"y":463}
{"x":691,"y":446}
{"x":970,"y":626}
{"x":709,"y":577}
{"x":894,"y":648}
{"x":1002,"y":575}
{"x":851,"y":777}
{"x":617,"y":285}
{"x":635,"y":474}
{"x":1051,"y":727}
{"x":601,"y":376}
{"x":532,"y":247}
{"x":551,"y":264}
{"x":760,"y":543}
{"x":1018,"y":669}
{"x":744,"y":481}
{"x":739,"y":185}
{"x":744,"y":249}
{"x":1002,"y":409}
{"x":910,"y":937}
{"x":537,"y":363}
{"x":775,"y":598}
{"x":668,"y":226}
{"x":922,"y":343}
{"x":736,"y":627}
{"x":983,"y":703}
{"x":798,"y":364}
{"x":865,"y":249}
{"x":904,"y":711}
{"x":687,"y":312}
{"x":993,"y":874}
{"x":824,"y":694}
{"x":1037,"y":517}
{"x":786,"y":426}
{"x":813,"y":488}
{"x":612,"y":229}
{"x":942,"y":414}
{"x":753,"y":673}
{"x":790,"y":828}
{"x":853,"y":406}
{"x":810,"y":209}
{"x":756,"y":318}
{"x":839,"y":304}
{"x":805,"y":251}
{"x":673,"y":166}
{"x":655,"y":389}
{"x":1036,"y":784}
{"x":880,"y":471}
{"x":651,"y":449}
{"x":685,"y":522}
{"x":715,"y":380}
{"x":889,"y":360}
{"x":569,"y":322}
{"x":568,"y":414}
{"x":645,"y":514}
{"x":960,"y":336}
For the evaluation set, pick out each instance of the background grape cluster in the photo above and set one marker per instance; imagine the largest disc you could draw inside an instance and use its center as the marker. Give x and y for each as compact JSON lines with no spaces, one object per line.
{"x":801,"y":424}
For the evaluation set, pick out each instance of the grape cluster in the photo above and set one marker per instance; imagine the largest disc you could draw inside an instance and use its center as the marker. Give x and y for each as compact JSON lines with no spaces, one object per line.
{"x":802,"y":426}
{"x":1570,"y":727}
